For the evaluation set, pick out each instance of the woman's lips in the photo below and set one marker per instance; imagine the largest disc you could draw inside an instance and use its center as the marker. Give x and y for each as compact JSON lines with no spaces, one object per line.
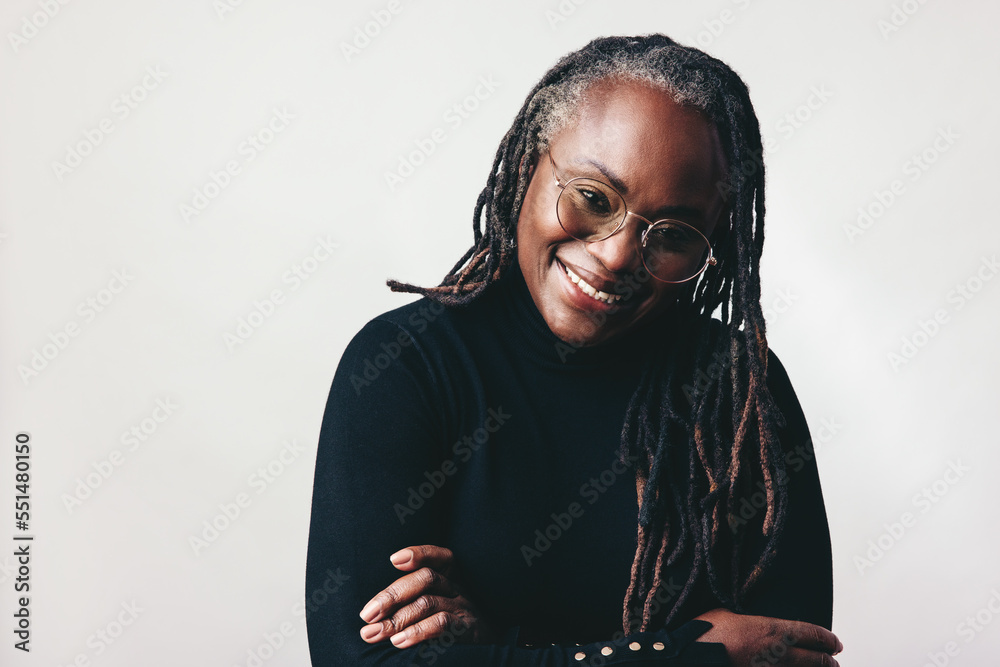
{"x":585,"y":295}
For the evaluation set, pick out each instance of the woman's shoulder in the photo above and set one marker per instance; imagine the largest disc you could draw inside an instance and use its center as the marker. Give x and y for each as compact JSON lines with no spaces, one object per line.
{"x":420,"y":339}
{"x":422,"y":324}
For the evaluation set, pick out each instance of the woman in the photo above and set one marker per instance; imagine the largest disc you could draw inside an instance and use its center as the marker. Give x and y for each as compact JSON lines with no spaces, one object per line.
{"x":557,"y":456}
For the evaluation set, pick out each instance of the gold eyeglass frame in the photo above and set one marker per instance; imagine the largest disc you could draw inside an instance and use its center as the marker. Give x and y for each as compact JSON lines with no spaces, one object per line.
{"x":709,"y":261}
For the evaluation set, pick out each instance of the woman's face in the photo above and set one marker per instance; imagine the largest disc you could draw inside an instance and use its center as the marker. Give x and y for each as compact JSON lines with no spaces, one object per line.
{"x":666,"y":160}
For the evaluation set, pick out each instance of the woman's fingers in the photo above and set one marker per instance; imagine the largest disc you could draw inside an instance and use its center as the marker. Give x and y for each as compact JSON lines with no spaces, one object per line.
{"x":753,"y":641}
{"x":800,"y":644}
{"x":790,"y":651}
{"x":815,"y":637}
{"x":412,"y":620}
{"x":425,"y":555}
{"x":799,"y":657}
{"x":437,"y":625}
{"x":404,"y":591}
{"x":423,"y":604}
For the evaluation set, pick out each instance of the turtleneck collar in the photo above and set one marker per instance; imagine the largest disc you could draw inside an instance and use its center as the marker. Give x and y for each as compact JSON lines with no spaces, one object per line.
{"x":518,"y":314}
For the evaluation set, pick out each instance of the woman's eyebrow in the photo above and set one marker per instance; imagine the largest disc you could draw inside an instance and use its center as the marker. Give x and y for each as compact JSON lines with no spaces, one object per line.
{"x":666,"y":212}
{"x":606,"y":172}
{"x":661,"y":213}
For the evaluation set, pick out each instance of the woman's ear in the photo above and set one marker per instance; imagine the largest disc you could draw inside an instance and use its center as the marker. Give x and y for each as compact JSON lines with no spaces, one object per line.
{"x":528,"y":162}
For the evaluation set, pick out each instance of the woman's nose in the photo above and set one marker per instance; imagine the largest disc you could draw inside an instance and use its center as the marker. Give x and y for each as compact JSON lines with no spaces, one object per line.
{"x":619,"y":252}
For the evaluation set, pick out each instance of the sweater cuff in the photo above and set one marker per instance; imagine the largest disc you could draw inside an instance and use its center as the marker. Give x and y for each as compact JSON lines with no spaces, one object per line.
{"x":676,"y":648}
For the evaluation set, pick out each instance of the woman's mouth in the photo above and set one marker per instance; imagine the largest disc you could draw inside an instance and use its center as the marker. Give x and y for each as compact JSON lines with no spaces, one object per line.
{"x":588,"y":289}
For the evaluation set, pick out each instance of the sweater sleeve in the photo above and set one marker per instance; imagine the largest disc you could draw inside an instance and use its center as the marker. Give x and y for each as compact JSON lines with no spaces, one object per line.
{"x":383,"y":428}
{"x":798,"y":584}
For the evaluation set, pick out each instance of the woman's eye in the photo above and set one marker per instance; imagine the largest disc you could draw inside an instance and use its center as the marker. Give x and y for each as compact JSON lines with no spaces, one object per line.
{"x":594,"y":201}
{"x":674,"y":238}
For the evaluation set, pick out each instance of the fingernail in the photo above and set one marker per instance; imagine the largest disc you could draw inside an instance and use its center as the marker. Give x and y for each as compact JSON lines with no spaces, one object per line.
{"x":840,"y":647}
{"x":401,"y":557}
{"x":398,"y":638}
{"x":371,"y":611}
{"x":370,"y":631}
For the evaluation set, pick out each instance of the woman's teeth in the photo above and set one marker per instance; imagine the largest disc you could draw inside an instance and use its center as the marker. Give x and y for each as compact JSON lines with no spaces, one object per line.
{"x":586,"y":288}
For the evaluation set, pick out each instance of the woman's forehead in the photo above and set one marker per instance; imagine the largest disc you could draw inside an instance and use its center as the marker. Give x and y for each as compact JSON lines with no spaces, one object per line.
{"x":628,"y":125}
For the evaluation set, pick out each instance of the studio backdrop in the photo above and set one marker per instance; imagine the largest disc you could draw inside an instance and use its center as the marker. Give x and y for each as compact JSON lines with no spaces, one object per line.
{"x":201,"y":200}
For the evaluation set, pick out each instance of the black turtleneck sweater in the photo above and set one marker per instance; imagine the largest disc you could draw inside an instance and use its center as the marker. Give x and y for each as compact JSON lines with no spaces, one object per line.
{"x":477,"y":429}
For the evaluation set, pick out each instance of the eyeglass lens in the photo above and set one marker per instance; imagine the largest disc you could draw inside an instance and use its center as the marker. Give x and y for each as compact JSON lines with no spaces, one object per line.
{"x":590,"y":211}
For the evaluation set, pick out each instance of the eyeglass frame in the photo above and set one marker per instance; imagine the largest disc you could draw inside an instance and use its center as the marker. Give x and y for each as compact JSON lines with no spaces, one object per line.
{"x":711,"y":261}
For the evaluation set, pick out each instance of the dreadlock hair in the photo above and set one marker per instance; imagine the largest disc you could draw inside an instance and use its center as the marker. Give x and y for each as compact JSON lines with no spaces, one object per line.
{"x":696,"y":453}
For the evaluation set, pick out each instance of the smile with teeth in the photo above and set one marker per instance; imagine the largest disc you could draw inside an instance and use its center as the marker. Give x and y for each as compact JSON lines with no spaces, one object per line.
{"x":587,"y":289}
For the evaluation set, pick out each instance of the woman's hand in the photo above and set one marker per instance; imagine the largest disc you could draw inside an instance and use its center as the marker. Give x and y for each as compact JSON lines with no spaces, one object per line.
{"x":763,"y":641}
{"x":424,"y":604}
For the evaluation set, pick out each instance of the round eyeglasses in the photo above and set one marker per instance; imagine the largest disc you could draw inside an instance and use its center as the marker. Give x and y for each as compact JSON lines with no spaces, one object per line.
{"x":590,"y":210}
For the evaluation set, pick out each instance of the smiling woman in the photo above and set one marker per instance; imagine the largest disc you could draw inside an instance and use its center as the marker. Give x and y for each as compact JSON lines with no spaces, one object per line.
{"x":633,"y":505}
{"x":666,"y":159}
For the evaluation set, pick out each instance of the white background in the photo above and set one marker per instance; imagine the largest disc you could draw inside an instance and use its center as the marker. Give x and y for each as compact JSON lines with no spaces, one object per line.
{"x":839,"y":302}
